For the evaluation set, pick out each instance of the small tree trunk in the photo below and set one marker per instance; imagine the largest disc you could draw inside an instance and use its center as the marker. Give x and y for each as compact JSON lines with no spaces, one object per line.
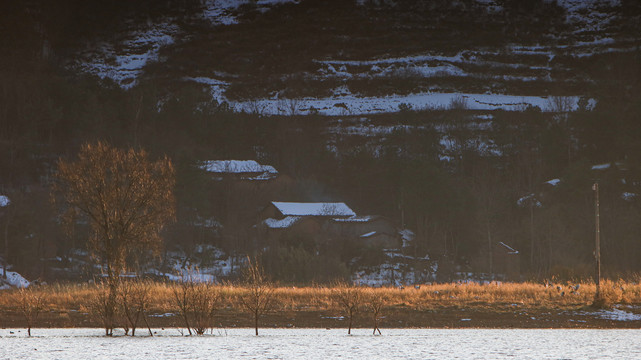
{"x":256,"y":322}
{"x":144,"y":317}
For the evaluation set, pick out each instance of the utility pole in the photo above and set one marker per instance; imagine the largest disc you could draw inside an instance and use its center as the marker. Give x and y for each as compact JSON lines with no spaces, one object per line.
{"x":597,"y":251}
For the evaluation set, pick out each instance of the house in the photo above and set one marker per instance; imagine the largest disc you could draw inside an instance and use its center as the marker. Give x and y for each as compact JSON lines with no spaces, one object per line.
{"x":323,"y":221}
{"x":239,"y":170}
{"x":279,"y":219}
{"x":327,"y":210}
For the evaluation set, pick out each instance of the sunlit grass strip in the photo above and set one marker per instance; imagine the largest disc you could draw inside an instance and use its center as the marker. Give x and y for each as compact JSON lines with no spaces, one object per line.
{"x":65,"y":297}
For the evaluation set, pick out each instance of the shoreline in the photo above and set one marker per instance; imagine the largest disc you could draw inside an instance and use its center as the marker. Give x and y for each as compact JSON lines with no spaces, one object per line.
{"x":524,"y":318}
{"x":455,"y":305}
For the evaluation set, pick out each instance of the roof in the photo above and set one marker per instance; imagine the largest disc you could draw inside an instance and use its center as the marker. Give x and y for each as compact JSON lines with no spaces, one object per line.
{"x":553,"y":182}
{"x":601,"y":166}
{"x":369,"y":234}
{"x":281,"y":224}
{"x":239,"y":167}
{"x":313,"y":209}
{"x":356,"y":219}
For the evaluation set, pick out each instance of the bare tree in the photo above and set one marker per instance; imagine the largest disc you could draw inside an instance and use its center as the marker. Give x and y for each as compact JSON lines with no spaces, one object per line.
{"x":31,"y":304}
{"x":375,"y":302}
{"x":197,"y":303}
{"x":349,"y":299}
{"x":260,"y":291}
{"x":206,"y":299}
{"x":126,"y":199}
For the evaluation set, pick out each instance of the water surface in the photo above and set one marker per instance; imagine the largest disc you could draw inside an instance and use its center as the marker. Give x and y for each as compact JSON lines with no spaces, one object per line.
{"x":324,"y":344}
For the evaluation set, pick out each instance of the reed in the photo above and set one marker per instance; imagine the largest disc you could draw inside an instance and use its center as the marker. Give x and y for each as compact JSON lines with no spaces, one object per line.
{"x":66,"y":297}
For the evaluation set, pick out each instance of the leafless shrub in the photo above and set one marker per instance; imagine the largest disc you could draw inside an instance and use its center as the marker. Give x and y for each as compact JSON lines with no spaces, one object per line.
{"x":197,"y":303}
{"x":256,"y":107}
{"x":182,"y":299}
{"x":560,"y":104}
{"x":459,"y":102}
{"x":104,"y":304}
{"x":257,"y":300}
{"x":134,"y":299}
{"x":289,"y":107}
{"x":206,"y":300}
{"x":349,"y":299}
{"x":31,"y":304}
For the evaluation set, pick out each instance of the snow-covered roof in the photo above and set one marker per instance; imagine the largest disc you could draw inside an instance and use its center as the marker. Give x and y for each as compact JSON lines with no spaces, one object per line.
{"x":356,"y":219}
{"x":369,"y":234}
{"x":4,"y":201}
{"x":283,"y":223}
{"x":553,"y":182}
{"x":253,"y":169}
{"x":313,"y":209}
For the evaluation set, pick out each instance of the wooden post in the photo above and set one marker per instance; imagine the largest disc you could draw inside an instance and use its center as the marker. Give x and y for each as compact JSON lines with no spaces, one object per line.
{"x":597,"y":251}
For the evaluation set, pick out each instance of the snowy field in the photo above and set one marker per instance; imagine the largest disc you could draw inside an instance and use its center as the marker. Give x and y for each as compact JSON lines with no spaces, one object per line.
{"x":323,"y":344}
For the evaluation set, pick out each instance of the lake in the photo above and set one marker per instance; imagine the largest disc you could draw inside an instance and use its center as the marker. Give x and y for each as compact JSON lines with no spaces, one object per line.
{"x":323,"y":344}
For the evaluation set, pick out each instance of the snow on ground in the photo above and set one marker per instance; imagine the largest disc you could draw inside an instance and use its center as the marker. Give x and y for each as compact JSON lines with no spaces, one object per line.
{"x":426,"y":66}
{"x":123,"y":62}
{"x":13,"y":280}
{"x":207,"y":264}
{"x":616,"y":314}
{"x":353,"y":105}
{"x":589,"y":15}
{"x":397,"y":271}
{"x":222,"y":12}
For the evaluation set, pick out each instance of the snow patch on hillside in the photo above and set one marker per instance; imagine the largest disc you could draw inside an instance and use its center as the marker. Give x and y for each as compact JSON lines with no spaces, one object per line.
{"x":353,"y":105}
{"x":124,"y":61}
{"x":223,"y":12}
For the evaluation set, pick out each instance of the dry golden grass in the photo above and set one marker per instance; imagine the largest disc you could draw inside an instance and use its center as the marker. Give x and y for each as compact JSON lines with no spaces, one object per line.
{"x":65,"y":297}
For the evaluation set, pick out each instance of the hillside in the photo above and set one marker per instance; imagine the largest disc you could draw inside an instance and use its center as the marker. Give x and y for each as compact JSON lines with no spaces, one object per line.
{"x":470,"y":123}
